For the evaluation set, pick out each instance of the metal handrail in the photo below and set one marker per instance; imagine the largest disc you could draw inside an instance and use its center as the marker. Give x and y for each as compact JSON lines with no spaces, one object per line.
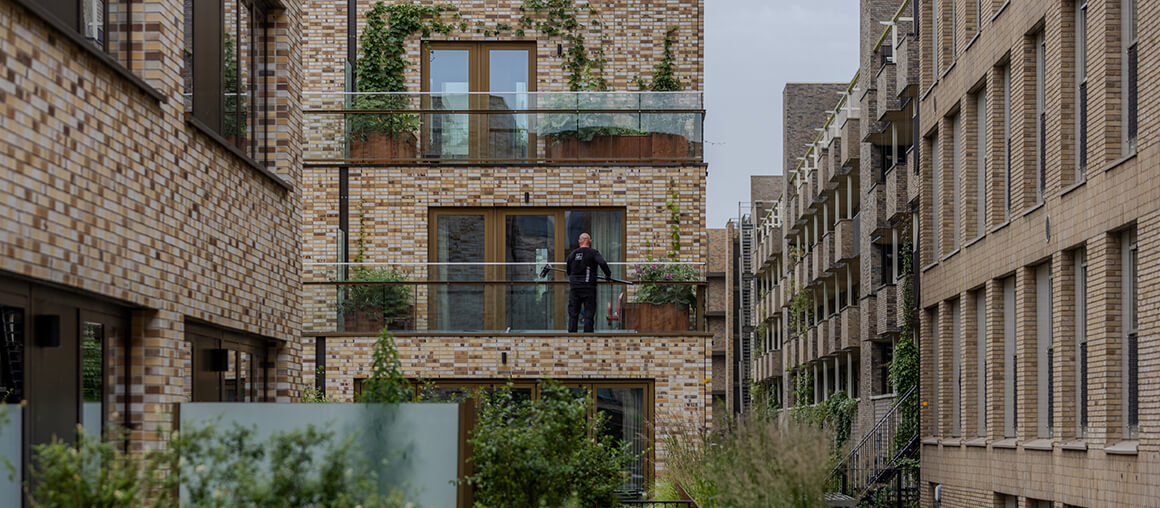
{"x":843,"y":465}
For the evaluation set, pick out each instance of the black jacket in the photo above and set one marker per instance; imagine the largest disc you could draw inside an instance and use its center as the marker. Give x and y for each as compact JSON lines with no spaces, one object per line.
{"x":581,"y":267}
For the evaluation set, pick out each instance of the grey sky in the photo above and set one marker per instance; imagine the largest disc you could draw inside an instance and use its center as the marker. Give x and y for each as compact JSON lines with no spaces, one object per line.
{"x":753,"y":48}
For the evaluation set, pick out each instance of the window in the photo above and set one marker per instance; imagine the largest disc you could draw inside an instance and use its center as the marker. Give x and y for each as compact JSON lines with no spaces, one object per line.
{"x":478,"y":76}
{"x":936,"y":41}
{"x":227,"y":72}
{"x":956,"y":370}
{"x":888,"y":263}
{"x":1040,"y":119}
{"x":1044,"y":349}
{"x":103,"y":24}
{"x":956,"y":181}
{"x":1010,"y":357}
{"x":936,"y":179}
{"x":525,"y":238}
{"x":227,"y":366}
{"x":1081,"y":340}
{"x":981,"y":163}
{"x":1130,"y":322}
{"x":1006,"y":142}
{"x":981,"y":360}
{"x":1131,"y":44}
{"x":1081,"y":87}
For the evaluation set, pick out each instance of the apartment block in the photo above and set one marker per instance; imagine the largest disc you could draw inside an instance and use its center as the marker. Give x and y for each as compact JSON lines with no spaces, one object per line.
{"x":1038,"y":229}
{"x":150,"y":247}
{"x":504,"y":160}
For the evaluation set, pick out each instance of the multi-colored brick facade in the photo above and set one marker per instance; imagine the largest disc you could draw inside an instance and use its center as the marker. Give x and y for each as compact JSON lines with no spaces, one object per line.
{"x":391,"y":209}
{"x":1069,"y":239}
{"x":114,"y":197}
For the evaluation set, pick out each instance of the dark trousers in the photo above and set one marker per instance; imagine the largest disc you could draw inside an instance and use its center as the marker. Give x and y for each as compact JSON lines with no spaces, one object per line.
{"x":586,"y":298}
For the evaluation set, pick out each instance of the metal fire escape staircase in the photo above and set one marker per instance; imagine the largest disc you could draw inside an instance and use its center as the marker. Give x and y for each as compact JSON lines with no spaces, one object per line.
{"x":747,"y":297}
{"x":872,"y":472}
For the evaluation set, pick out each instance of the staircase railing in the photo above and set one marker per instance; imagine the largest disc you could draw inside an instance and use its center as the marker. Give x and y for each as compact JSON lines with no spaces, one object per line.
{"x":872,"y":460}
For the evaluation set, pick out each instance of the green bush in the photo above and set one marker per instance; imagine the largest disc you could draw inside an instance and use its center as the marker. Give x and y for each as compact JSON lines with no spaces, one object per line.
{"x":386,"y":383}
{"x":666,"y":293}
{"x":218,"y":469}
{"x":386,"y":300}
{"x":543,"y":453}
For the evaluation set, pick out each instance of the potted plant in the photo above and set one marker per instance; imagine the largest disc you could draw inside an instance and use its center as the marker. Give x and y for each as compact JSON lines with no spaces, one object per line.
{"x":369,"y":308}
{"x":662,"y":307}
{"x":381,"y":74}
{"x":664,"y":143}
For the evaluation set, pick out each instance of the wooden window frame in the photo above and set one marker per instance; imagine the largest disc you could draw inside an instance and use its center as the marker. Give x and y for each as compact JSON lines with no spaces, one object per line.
{"x":495,"y":311}
{"x":479,"y":55}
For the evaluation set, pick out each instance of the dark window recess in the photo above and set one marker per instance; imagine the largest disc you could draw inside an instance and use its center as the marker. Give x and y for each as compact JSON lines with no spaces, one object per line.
{"x":1015,"y":389}
{"x":1051,"y":388}
{"x":1043,"y":155}
{"x":842,"y":300}
{"x":887,"y":255}
{"x":1083,"y":385}
{"x":227,"y":71}
{"x":1133,"y":380}
{"x":1133,"y":95}
{"x":854,"y":290}
{"x":1083,"y":122}
{"x":886,"y":352}
{"x":12,"y":352}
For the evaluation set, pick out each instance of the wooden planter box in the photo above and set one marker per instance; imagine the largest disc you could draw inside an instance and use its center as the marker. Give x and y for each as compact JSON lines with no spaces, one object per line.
{"x":378,"y":147}
{"x":364,"y":320}
{"x":652,"y":317}
{"x":611,"y":147}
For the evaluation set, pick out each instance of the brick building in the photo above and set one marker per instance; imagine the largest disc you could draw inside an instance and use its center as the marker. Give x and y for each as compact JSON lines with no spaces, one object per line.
{"x":501,"y":169}
{"x":1039,"y":230}
{"x":150,"y":247}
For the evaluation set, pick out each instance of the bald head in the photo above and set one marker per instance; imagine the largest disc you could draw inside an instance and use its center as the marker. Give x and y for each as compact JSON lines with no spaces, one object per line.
{"x":585,"y":240}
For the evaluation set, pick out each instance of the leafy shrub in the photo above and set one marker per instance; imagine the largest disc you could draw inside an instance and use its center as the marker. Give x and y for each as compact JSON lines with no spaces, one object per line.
{"x":94,"y":472}
{"x":386,"y":383}
{"x":665,"y":293}
{"x":302,"y":468}
{"x":543,"y":453}
{"x":388,"y":300}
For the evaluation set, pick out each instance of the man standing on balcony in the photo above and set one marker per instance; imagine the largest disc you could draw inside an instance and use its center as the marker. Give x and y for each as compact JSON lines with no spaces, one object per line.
{"x":581,"y":269}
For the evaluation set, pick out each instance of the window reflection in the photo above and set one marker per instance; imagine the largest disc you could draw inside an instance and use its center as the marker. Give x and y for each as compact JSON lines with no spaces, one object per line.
{"x":92,"y":377}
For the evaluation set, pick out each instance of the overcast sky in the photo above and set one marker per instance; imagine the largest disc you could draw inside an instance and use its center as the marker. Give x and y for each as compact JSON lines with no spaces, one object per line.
{"x":753,"y":48}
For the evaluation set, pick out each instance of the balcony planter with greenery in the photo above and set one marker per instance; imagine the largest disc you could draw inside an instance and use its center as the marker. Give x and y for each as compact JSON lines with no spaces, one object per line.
{"x":381,"y":73}
{"x":664,"y":307}
{"x":370,"y":308}
{"x":664,"y":145}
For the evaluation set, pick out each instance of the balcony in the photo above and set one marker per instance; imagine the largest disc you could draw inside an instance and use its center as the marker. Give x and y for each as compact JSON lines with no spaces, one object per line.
{"x":447,"y":299}
{"x":502,"y":128}
{"x":897,"y":203}
{"x":848,"y":324}
{"x":887,"y":310}
{"x":913,"y":177}
{"x":767,"y":366}
{"x":851,"y":143}
{"x":846,"y":239}
{"x":906,"y":74}
{"x":829,"y":254}
{"x":817,"y":261}
{"x":889,"y":105}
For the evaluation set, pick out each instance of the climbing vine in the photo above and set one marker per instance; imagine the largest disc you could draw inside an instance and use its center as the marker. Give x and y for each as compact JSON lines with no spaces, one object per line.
{"x":382,"y":66}
{"x":836,"y":413}
{"x":663,"y":80}
{"x":765,"y":399}
{"x":904,"y":368}
{"x":584,"y":66}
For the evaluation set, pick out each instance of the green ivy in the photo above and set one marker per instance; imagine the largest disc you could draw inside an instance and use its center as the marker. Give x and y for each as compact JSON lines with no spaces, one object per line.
{"x":382,"y":66}
{"x":904,"y":368}
{"x":583,"y":66}
{"x":663,"y":80}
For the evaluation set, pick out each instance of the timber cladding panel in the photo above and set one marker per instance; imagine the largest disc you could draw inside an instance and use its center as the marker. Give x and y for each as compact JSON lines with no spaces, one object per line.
{"x":678,"y":366}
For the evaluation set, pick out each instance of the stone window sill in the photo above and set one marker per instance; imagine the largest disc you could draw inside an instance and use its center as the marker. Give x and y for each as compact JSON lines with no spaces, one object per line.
{"x":979,"y":442}
{"x":950,"y":254}
{"x":1000,"y":11}
{"x":1001,"y":226}
{"x":1078,"y":445}
{"x":1038,"y":444}
{"x":1119,"y":162}
{"x":1123,"y":448}
{"x":1072,"y":187}
{"x":954,"y":441}
{"x":1009,"y":443}
{"x":1029,"y":211}
{"x":976,"y":240}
